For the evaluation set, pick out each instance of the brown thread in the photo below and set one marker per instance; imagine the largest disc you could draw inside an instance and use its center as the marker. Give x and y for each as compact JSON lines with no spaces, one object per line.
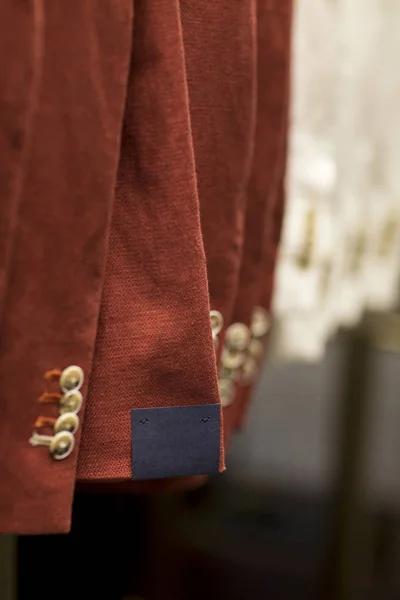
{"x":49,"y":398}
{"x":44,"y":422}
{"x":52,"y":374}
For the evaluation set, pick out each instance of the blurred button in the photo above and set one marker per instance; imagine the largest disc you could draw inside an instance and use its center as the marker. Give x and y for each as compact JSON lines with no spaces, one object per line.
{"x":71,"y":402}
{"x":232,"y":359}
{"x":260,"y":323}
{"x":215,"y":342}
{"x":71,"y":378}
{"x":67,"y":422}
{"x":217,"y":321}
{"x":256,"y":348}
{"x":237,"y":336}
{"x":232,"y":374}
{"x":249,"y":370}
{"x":226,"y":392}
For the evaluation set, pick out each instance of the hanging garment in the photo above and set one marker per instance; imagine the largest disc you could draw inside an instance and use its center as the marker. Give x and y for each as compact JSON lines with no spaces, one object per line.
{"x":340,"y":253}
{"x":128,"y":151}
{"x":265,"y":199}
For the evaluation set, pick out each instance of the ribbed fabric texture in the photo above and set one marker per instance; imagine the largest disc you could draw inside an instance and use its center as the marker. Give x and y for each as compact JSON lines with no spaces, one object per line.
{"x":204,"y":130}
{"x":154,"y":346}
{"x":266,"y":190}
{"x":139,"y":147}
{"x":63,"y":69}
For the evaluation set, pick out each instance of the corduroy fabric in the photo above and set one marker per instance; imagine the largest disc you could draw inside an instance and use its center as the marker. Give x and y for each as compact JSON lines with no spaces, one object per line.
{"x":69,"y":65}
{"x":272,"y":241}
{"x":244,"y":393}
{"x":122,"y":261}
{"x":220,"y":40}
{"x":21,"y":53}
{"x":265,"y":197}
{"x":221,"y":56}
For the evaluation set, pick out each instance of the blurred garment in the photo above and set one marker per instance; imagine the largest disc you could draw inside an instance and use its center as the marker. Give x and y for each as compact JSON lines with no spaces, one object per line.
{"x":340,"y":251}
{"x":136,"y":197}
{"x":265,"y":194}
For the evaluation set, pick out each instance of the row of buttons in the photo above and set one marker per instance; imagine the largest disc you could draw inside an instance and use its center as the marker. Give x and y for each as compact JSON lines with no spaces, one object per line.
{"x":225,"y":385}
{"x":242,"y":352}
{"x":233,"y":358}
{"x":62,"y":442}
{"x":260,"y":326}
{"x":241,"y":355}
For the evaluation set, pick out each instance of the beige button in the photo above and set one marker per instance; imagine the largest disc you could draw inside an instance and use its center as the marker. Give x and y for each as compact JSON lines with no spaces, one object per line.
{"x":256,"y":348}
{"x":60,"y":445}
{"x":67,"y":422}
{"x":71,"y":379}
{"x":232,"y":374}
{"x":237,"y":336}
{"x":217,"y":321}
{"x":215,"y":342}
{"x":232,"y":359}
{"x":226,"y":392}
{"x":249,"y":370}
{"x":260,"y":323}
{"x":71,"y":402}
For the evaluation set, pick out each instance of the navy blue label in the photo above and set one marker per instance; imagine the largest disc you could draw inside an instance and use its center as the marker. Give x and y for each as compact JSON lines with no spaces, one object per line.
{"x":175,"y":441}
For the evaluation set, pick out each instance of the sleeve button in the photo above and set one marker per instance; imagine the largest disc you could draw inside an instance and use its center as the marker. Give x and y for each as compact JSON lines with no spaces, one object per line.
{"x":67,"y":422}
{"x":256,"y":348}
{"x":226,"y":390}
{"x":232,"y":359}
{"x":71,"y":379}
{"x":217,"y":321}
{"x":260,"y":323}
{"x":250,"y":370}
{"x":71,"y":402}
{"x":238,"y":336}
{"x":61,"y":445}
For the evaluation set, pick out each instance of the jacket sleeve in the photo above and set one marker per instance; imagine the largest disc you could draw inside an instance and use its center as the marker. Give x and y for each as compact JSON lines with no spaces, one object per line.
{"x":106,"y":295}
{"x":154,"y":346}
{"x":265,"y":190}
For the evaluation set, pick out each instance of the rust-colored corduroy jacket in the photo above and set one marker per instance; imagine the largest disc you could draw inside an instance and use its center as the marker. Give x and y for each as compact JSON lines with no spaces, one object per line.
{"x":127,"y":137}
